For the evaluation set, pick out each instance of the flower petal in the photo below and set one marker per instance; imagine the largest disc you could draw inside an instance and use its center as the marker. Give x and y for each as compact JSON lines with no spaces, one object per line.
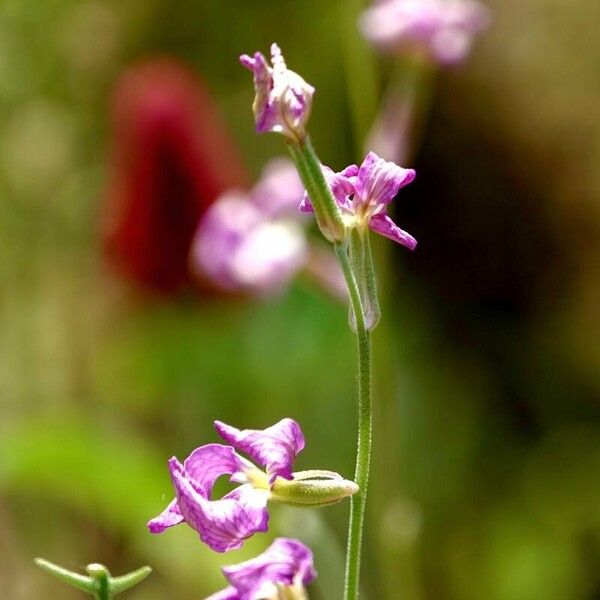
{"x":274,"y":448}
{"x":229,"y":593}
{"x":207,"y":463}
{"x":286,"y":561}
{"x":222,"y":524}
{"x":378,"y":180}
{"x":383,"y":224}
{"x":168,"y":518}
{"x":278,"y":190}
{"x":341,"y":185}
{"x":264,"y":113}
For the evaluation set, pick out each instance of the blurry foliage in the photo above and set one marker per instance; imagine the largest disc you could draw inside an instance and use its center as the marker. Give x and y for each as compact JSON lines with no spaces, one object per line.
{"x":493,"y":322}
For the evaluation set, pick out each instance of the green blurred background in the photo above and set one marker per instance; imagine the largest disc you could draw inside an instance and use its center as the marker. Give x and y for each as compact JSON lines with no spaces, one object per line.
{"x":487,"y":472}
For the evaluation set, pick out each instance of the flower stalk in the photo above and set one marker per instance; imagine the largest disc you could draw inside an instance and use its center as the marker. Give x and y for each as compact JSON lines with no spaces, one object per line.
{"x":365,"y":426}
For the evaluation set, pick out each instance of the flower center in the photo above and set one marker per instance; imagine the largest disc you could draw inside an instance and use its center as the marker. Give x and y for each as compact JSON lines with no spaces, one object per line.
{"x":258,"y":479}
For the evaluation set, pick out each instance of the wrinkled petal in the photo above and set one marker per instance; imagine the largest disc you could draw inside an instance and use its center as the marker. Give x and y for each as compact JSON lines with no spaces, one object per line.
{"x":286,"y":561}
{"x":274,"y":448}
{"x":222,"y":524}
{"x":378,"y":180}
{"x":384,"y":225}
{"x":229,"y":593}
{"x":264,"y":112}
{"x":168,"y":518}
{"x":207,"y":463}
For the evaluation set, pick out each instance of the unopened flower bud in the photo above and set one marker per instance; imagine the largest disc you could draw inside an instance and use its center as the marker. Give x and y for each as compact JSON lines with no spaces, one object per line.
{"x":283,"y":99}
{"x":312,"y":488}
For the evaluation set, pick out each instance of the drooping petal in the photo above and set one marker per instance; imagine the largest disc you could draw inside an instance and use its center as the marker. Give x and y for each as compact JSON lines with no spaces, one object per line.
{"x":168,"y":518}
{"x":286,"y":562}
{"x":383,"y":224}
{"x":274,"y":448}
{"x":378,"y":180}
{"x":207,"y":463}
{"x":222,"y":524}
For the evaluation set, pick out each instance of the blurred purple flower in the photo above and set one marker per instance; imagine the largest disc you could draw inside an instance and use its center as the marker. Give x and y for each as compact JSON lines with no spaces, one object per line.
{"x":224,"y":524}
{"x":443,"y":30}
{"x":253,"y":241}
{"x":283,"y":99}
{"x":364,"y":192}
{"x":286,"y":564}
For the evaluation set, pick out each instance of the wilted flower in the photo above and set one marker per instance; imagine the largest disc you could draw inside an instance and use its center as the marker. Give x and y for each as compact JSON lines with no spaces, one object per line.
{"x":253,"y":241}
{"x":442,"y":30}
{"x":363,"y":194}
{"x":283,"y":99}
{"x":224,"y":524}
{"x":281,"y":571}
{"x":172,"y":156}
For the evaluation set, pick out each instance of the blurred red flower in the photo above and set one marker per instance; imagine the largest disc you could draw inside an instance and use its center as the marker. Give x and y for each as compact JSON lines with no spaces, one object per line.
{"x":172,"y":155}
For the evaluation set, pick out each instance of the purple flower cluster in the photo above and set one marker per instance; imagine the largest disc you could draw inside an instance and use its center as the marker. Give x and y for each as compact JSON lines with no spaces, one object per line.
{"x":253,"y":241}
{"x":442,"y":30}
{"x":223,"y":524}
{"x":286,"y":564}
{"x":363,"y":194}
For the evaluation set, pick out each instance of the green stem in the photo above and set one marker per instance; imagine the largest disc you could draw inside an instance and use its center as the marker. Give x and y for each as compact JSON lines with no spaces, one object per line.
{"x":363,"y":453}
{"x":327,"y":212}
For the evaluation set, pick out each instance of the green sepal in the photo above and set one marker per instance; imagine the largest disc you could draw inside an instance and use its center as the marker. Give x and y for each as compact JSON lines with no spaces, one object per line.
{"x":361,"y":260}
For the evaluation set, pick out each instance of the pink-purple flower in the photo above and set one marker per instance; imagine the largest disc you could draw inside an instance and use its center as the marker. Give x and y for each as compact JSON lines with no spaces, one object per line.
{"x":363,"y":194}
{"x":442,"y":30}
{"x":224,"y":524}
{"x":282,"y":570}
{"x":283,"y":99}
{"x":253,"y":241}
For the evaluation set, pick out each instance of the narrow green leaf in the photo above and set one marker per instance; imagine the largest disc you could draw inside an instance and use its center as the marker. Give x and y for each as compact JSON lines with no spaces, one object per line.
{"x":81,"y":582}
{"x":124,"y":582}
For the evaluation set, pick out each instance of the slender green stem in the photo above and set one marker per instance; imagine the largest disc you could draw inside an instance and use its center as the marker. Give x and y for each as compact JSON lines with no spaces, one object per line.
{"x":363,"y":453}
{"x":327,"y":212}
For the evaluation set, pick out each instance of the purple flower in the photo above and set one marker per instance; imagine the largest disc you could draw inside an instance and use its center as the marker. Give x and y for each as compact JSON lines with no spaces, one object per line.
{"x":224,"y":524}
{"x":283,"y":99}
{"x":443,"y":30}
{"x":286,"y":564}
{"x":252,"y":241}
{"x":364,"y":192}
